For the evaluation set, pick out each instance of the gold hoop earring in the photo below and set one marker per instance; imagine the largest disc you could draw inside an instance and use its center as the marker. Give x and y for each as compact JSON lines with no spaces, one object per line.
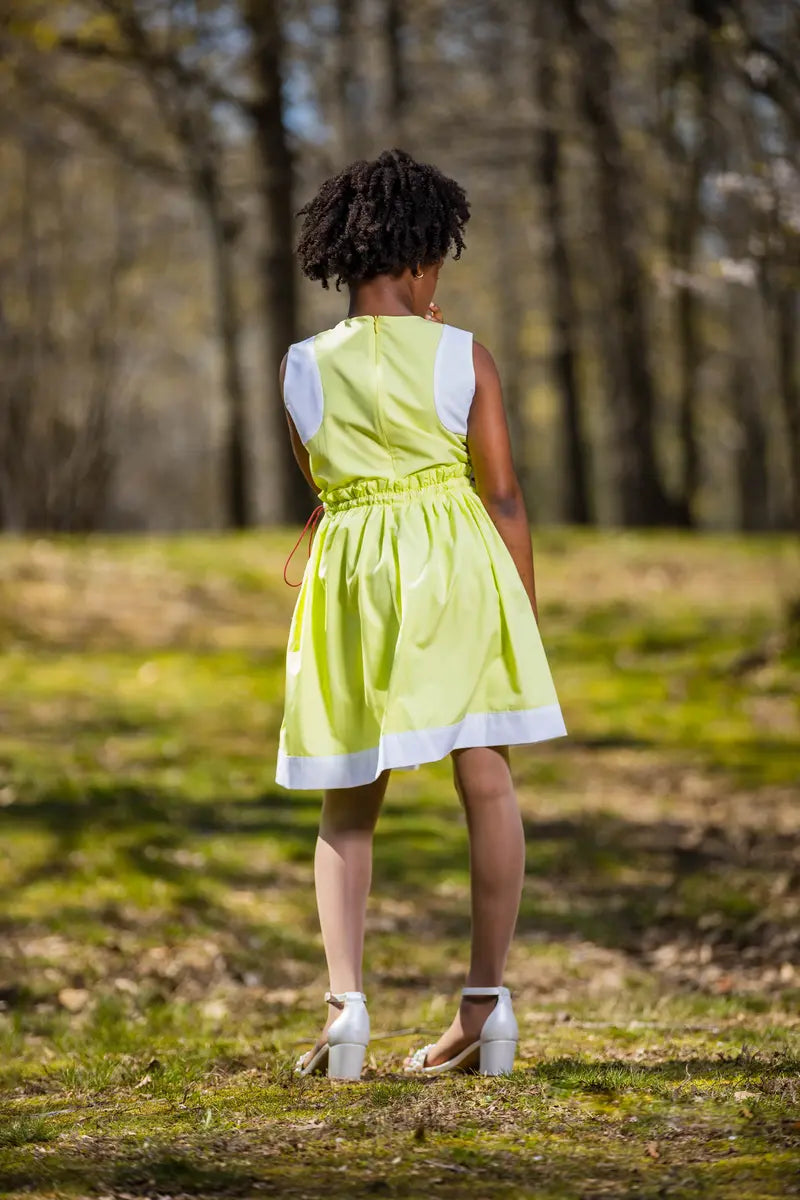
{"x":419,"y":274}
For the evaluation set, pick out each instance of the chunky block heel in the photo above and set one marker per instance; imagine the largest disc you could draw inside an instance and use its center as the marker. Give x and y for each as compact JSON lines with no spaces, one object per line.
{"x":497,"y":1058}
{"x":493,"y":1053}
{"x":346,"y":1060}
{"x":348,"y":1038}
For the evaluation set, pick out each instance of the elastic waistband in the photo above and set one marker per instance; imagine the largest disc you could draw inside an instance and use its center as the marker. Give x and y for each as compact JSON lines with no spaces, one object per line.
{"x":393,"y":491}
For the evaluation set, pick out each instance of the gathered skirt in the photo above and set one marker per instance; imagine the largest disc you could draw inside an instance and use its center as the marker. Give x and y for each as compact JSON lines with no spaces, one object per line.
{"x":412,"y":636}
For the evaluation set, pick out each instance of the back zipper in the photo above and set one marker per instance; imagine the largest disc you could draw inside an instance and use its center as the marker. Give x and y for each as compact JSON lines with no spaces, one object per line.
{"x":378,"y":399}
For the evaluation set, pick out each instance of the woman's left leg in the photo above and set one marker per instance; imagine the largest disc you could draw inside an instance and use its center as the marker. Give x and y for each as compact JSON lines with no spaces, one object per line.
{"x":342,"y":877}
{"x":497,"y":871}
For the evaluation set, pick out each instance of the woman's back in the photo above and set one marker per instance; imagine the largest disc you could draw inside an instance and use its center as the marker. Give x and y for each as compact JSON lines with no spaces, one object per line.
{"x":381,"y":397}
{"x":413,"y":633}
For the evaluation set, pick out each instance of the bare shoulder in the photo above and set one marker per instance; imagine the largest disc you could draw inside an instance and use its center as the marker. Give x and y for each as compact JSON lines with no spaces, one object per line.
{"x":485,"y":366}
{"x":487,"y":418}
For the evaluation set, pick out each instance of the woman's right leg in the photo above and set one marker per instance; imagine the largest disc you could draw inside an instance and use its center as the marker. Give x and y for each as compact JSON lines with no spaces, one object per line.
{"x":497,"y":869}
{"x":342,"y":877}
{"x":496,"y":854}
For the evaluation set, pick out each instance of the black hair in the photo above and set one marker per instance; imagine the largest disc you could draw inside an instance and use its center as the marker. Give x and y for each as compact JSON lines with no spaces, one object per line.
{"x":379,"y":217}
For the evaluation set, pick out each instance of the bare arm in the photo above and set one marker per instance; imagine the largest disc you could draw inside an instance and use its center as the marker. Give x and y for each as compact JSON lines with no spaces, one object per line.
{"x":496,"y":480}
{"x":298,"y":449}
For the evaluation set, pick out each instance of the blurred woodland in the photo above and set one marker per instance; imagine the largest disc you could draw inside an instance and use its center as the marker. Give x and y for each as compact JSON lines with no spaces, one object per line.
{"x":632,"y":261}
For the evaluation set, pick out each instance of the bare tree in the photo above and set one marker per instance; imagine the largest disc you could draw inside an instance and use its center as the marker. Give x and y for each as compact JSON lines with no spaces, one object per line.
{"x":397,"y":90}
{"x":276,"y":186}
{"x":547,"y":31}
{"x":642,"y":495}
{"x":57,"y":392}
{"x":686,"y":130}
{"x":185,"y":107}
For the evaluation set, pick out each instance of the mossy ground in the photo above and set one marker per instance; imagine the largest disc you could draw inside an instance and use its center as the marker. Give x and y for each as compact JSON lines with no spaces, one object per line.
{"x":160,"y":959}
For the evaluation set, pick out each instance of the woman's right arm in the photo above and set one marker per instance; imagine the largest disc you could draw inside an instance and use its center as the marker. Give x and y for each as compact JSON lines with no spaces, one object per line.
{"x":298,"y":449}
{"x":489,"y":446}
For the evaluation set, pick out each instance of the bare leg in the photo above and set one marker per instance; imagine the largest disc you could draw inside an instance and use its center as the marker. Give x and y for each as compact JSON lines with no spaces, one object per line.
{"x":497,"y":869}
{"x":342,"y":876}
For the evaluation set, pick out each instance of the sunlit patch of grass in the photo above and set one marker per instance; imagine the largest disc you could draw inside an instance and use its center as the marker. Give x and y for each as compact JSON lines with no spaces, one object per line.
{"x":26,"y":1130}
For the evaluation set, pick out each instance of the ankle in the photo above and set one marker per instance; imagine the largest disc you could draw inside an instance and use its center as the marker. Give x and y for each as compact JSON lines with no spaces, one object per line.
{"x":474,"y":1010}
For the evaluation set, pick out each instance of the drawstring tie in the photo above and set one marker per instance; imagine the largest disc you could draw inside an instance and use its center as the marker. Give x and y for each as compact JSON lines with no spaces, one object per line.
{"x":312,"y":522}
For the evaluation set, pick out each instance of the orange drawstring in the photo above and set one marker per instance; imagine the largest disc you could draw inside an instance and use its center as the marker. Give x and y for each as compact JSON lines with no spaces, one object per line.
{"x":312,"y":521}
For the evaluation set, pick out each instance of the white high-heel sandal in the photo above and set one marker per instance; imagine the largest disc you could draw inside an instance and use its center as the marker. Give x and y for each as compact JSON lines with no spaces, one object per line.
{"x":494,"y":1050}
{"x":348,"y":1037}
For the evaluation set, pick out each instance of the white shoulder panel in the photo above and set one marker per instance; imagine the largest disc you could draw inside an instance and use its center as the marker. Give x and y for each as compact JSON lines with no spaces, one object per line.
{"x":454,"y":378}
{"x":302,"y":389}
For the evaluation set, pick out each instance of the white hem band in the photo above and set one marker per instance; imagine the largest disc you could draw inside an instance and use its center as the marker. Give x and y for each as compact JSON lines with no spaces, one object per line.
{"x":398,"y":750}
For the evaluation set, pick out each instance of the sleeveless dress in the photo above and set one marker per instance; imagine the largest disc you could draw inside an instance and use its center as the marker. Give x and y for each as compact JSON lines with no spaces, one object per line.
{"x":412,"y":634}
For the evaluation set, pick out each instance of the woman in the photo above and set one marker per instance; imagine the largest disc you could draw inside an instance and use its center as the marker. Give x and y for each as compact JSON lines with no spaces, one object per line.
{"x":415,"y":633}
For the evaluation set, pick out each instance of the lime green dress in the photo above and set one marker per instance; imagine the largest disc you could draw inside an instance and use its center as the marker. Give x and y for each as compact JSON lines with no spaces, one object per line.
{"x":412,"y":634}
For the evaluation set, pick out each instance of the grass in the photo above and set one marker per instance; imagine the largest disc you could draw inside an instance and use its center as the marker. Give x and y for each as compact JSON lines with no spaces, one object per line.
{"x":160,"y":960}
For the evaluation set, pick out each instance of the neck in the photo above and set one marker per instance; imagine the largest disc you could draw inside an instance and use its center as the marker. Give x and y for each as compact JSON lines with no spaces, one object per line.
{"x":381,"y":296}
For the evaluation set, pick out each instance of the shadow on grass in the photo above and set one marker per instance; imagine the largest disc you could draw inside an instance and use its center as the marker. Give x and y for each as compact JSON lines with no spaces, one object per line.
{"x":138,"y":1175}
{"x":303,"y":1174}
{"x":143,"y":821}
{"x":146,"y":828}
{"x":617,"y":1075}
{"x":775,"y":1075}
{"x":599,"y":877}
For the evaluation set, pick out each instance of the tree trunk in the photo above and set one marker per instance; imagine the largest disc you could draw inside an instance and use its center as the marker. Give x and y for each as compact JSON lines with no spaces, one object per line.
{"x":228,"y":320}
{"x":642,"y":495}
{"x":397,"y":87}
{"x":195,"y":135}
{"x":787,"y":320}
{"x":509,"y":343}
{"x":746,"y":400}
{"x":563,"y":308}
{"x":751,"y":454}
{"x":691,"y":167}
{"x":279,"y":281}
{"x":351,"y":98}
{"x":689,"y":358}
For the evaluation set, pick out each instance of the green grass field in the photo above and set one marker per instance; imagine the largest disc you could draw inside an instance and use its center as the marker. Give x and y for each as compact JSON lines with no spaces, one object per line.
{"x":160,"y":961}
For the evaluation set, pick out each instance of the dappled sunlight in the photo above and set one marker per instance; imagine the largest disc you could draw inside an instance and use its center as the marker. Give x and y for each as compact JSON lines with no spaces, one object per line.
{"x":160,"y":950}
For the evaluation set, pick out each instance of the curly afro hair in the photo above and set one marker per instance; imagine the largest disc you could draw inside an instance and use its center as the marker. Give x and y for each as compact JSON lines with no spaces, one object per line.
{"x":379,"y":217}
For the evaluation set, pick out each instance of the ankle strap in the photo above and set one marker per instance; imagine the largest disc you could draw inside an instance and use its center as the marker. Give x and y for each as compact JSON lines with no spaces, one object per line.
{"x":339,"y":998}
{"x":485,"y":991}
